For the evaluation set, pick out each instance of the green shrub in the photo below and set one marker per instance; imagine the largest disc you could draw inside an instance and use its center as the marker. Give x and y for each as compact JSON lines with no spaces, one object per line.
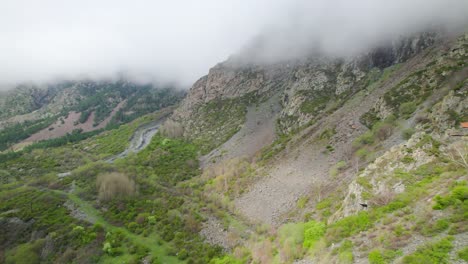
{"x":365,"y":139}
{"x":28,"y":253}
{"x":406,"y":109}
{"x":407,"y":133}
{"x":226,"y":260}
{"x":383,"y":256}
{"x":301,"y":203}
{"x":313,"y":231}
{"x":348,"y":226}
{"x":375,"y":257}
{"x":435,"y":253}
{"x":435,"y":228}
{"x":364,"y":182}
{"x":463,"y":254}
{"x":82,"y":235}
{"x":291,"y":231}
{"x":408,"y":159}
{"x":345,"y":252}
{"x":325,"y":203}
{"x":346,"y":257}
{"x":459,"y":194}
{"x":383,"y":130}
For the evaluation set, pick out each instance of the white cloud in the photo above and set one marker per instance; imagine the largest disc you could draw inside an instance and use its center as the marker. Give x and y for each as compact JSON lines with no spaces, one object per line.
{"x":178,"y":41}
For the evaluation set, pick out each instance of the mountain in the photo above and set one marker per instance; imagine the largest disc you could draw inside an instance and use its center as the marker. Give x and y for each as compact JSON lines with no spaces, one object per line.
{"x":31,"y":113}
{"x":316,"y":160}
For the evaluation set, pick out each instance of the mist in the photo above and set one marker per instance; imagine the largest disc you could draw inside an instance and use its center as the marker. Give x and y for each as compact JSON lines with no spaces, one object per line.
{"x":178,"y":41}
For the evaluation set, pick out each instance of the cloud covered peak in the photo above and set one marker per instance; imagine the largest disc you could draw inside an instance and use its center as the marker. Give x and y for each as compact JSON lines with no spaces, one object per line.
{"x":178,"y":41}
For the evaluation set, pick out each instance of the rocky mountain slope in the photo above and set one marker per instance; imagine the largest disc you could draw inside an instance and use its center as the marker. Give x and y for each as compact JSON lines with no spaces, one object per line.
{"x":319,"y":160}
{"x":345,"y":130}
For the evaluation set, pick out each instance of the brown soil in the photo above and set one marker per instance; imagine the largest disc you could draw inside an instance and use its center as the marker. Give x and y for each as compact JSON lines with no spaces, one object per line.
{"x":58,"y":129}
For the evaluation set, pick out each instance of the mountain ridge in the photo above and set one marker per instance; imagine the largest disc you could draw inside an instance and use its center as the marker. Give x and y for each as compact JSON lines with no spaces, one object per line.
{"x":318,"y":160}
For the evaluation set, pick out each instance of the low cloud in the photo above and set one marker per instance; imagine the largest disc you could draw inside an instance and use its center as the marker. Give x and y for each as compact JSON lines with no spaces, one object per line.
{"x":178,"y":41}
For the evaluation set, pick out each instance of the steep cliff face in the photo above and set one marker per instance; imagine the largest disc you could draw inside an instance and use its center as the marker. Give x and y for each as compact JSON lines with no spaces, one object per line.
{"x":308,"y":88}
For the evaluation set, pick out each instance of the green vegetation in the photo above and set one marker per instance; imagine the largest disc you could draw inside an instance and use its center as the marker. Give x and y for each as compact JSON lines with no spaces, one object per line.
{"x":301,"y":203}
{"x":21,"y":131}
{"x":457,"y":197}
{"x":313,"y":106}
{"x":100,"y":98}
{"x":313,"y":231}
{"x":276,"y":147}
{"x":406,"y":109}
{"x":345,"y":252}
{"x":348,"y":226}
{"x":28,"y":253}
{"x":432,"y":229}
{"x":155,"y":220}
{"x":463,"y":254}
{"x":431,"y":253}
{"x":366,"y":144}
{"x":407,"y":133}
{"x":383,"y":256}
{"x":217,"y":121}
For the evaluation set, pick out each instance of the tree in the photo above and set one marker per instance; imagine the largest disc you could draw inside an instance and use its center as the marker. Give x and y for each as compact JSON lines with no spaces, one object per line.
{"x":115,"y":184}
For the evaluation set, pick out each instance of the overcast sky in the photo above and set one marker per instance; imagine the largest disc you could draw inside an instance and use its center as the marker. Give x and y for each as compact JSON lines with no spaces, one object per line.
{"x":178,"y":41}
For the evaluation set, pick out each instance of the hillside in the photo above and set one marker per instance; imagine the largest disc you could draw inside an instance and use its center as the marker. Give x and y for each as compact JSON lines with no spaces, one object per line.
{"x":319,"y":160}
{"x":31,"y":113}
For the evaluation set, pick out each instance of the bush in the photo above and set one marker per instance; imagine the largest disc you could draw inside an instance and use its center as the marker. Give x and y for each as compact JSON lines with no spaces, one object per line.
{"x":383,"y":131}
{"x":28,"y":253}
{"x":375,"y":257}
{"x":437,"y":252}
{"x":114,"y":184}
{"x":382,"y":256}
{"x":225,"y":260}
{"x":301,"y":203}
{"x":83,"y":236}
{"x":463,"y":254}
{"x":345,"y":252}
{"x":348,"y":226}
{"x":406,"y":109}
{"x":365,"y":139}
{"x":313,"y":231}
{"x":407,"y":133}
{"x":293,"y":232}
{"x":435,"y":228}
{"x":459,"y":194}
{"x":346,"y":257}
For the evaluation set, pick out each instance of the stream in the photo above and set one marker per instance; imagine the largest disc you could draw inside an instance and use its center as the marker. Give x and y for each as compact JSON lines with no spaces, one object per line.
{"x":140,"y":139}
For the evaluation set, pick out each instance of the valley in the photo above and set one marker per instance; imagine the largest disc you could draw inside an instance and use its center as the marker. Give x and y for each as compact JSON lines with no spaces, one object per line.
{"x":318,"y":160}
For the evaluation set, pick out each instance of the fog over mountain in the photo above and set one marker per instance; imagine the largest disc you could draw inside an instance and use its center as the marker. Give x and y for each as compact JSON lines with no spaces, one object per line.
{"x":178,"y":41}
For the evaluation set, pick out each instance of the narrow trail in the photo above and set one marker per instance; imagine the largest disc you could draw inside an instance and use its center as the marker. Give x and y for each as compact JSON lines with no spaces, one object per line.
{"x":151,"y":241}
{"x":140,"y":139}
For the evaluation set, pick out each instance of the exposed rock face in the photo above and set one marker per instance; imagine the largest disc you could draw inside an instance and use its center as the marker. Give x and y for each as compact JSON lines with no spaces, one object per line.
{"x":377,"y":176}
{"x":308,"y":87}
{"x":402,"y":50}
